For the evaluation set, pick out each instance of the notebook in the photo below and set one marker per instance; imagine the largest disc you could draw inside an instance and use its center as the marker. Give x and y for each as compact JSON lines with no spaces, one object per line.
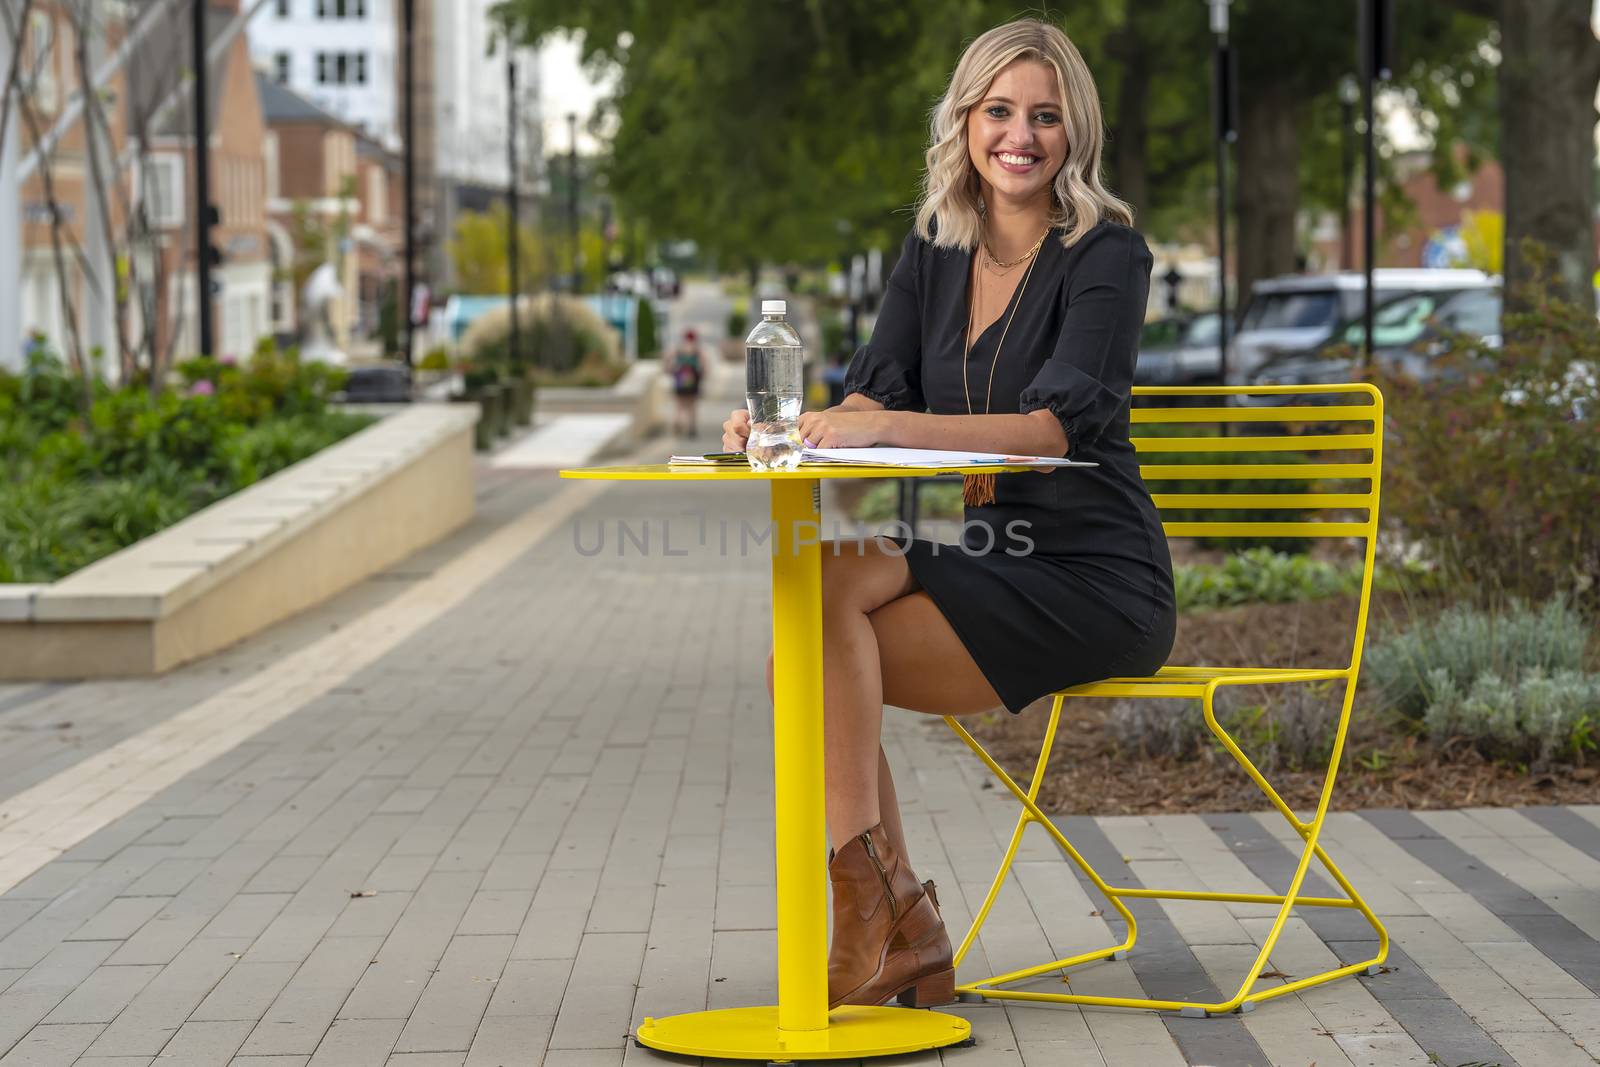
{"x":889,"y":457}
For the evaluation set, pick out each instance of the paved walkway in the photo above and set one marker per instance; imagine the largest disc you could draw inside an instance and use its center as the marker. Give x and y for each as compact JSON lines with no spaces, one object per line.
{"x":497,"y":803}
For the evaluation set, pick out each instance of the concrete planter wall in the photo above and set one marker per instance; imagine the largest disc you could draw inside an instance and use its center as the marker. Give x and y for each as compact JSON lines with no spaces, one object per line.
{"x":252,"y":559}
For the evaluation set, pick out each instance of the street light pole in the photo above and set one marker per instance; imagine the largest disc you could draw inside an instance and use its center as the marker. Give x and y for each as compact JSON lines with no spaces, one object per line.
{"x":1376,"y":36}
{"x":202,"y":173}
{"x":572,"y":193}
{"x":513,"y":238}
{"x":408,"y":121}
{"x":1226,"y":133}
{"x":1349,"y":95}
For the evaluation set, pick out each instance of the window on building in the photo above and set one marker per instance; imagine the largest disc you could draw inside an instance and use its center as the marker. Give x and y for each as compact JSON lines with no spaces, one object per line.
{"x":341,"y":68}
{"x":281,"y":67}
{"x":283,"y":9}
{"x":361,"y":9}
{"x":161,"y":191}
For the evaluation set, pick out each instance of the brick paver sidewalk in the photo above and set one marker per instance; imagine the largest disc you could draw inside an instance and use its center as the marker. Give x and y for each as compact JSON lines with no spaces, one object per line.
{"x":495,"y":806}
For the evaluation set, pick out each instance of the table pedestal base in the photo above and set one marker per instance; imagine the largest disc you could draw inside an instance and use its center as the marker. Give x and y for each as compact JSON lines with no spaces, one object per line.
{"x":753,"y":1034}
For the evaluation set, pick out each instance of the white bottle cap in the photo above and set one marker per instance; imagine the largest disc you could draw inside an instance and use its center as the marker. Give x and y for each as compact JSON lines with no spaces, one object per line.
{"x":774,"y":307}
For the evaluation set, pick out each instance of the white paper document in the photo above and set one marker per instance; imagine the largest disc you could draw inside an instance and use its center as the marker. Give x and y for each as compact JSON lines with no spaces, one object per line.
{"x":903,"y":457}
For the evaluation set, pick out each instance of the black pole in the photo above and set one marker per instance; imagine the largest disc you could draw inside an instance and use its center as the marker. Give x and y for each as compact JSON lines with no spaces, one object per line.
{"x":572,"y":194}
{"x":202,"y":173}
{"x":1226,"y":134}
{"x":408,"y":105}
{"x":1375,"y":35}
{"x":1347,"y":164}
{"x":513,"y":239}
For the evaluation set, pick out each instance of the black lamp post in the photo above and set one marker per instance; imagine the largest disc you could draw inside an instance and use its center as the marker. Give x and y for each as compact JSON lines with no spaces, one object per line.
{"x":513,"y":238}
{"x":1224,"y":115}
{"x":202,"y":175}
{"x":1376,"y":37}
{"x":1349,"y":96}
{"x":409,"y":163}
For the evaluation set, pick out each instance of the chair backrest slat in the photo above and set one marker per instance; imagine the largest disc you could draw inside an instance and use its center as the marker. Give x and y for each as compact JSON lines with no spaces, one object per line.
{"x":1285,"y":413}
{"x":1267,"y":501}
{"x":1306,"y":472}
{"x":1336,"y":442}
{"x":1266,"y":529}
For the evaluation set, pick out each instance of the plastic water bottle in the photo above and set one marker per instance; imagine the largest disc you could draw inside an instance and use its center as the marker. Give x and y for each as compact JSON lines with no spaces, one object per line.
{"x":774,"y":367}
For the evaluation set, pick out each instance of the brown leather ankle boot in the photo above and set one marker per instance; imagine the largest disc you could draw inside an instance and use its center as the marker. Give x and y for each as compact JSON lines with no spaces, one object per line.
{"x":888,"y":939}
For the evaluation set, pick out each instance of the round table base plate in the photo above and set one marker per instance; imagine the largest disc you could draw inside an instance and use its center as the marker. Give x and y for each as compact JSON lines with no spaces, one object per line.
{"x":752,"y":1034}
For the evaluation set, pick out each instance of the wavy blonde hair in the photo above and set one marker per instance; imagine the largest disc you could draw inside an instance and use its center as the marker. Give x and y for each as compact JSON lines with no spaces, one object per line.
{"x":950,"y":210}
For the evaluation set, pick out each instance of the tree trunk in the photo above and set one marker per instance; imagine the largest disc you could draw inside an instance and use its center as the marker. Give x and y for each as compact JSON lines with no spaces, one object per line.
{"x":1268,"y":194}
{"x":1130,"y":132}
{"x":1548,"y":71}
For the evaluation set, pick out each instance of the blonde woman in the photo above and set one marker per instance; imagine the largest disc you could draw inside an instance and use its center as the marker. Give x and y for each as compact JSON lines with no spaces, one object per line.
{"x":1010,"y":324}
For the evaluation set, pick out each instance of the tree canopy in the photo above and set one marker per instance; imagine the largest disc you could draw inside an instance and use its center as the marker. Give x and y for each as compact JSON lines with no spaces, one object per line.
{"x":796,"y":131}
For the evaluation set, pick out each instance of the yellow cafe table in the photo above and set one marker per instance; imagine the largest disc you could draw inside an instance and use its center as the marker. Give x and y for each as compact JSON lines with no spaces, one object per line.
{"x":799,"y":1026}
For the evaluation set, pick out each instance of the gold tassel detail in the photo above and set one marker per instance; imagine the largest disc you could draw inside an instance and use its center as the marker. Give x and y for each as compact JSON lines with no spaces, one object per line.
{"x":977,"y":489}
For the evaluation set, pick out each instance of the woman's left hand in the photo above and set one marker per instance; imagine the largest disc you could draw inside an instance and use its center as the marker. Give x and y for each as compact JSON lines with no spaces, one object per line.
{"x":842,"y":429}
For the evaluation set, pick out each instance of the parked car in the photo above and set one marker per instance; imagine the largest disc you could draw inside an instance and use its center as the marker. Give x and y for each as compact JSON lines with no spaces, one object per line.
{"x":1298,"y":313}
{"x":1410,"y":335}
{"x":1180,"y":351}
{"x":1407,"y":335}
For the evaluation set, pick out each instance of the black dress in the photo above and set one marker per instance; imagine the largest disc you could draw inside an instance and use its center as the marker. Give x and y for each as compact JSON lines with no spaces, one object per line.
{"x":1065,"y":578}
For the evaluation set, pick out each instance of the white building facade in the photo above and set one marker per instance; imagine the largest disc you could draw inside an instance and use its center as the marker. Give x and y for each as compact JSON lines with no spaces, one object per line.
{"x":471,"y":98}
{"x":340,"y":54}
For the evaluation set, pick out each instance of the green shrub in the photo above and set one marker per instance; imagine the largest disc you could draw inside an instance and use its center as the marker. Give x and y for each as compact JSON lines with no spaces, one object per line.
{"x":1493,"y":465}
{"x":558,"y":332}
{"x":1538,"y":719}
{"x":1259,"y":575}
{"x":1512,"y":683}
{"x":74,"y":489}
{"x":1292,"y":730}
{"x":739,"y":319}
{"x":263,"y":450}
{"x":1465,"y":642}
{"x":436,"y":358}
{"x":648,"y":343}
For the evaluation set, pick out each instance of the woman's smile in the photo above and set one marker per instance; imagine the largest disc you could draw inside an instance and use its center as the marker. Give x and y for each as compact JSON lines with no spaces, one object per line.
{"x":1017,"y":162}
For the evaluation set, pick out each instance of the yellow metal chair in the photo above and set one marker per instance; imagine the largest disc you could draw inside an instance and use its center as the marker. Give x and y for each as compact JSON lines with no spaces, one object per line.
{"x":1330,"y":406}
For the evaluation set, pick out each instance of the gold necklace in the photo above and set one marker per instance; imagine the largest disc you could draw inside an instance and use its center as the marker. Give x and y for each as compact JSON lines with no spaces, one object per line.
{"x":978,"y":489}
{"x":995,"y":261}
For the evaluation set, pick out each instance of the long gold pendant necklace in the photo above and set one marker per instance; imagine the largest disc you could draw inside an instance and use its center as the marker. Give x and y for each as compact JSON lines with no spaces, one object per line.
{"x":978,"y":489}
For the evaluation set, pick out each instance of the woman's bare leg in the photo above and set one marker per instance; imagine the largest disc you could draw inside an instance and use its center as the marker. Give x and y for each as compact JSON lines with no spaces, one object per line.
{"x":889,"y":805}
{"x":881,"y":640}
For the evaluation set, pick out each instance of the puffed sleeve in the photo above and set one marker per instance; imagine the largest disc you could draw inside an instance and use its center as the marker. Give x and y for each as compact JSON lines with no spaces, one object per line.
{"x":1089,"y":376}
{"x":888,"y":368}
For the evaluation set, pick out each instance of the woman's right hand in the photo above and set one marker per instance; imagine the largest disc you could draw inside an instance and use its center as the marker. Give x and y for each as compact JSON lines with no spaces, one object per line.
{"x":736,"y":431}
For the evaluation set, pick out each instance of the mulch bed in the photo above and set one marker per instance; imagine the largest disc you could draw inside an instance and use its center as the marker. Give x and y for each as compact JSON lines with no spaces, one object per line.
{"x":1088,"y":775}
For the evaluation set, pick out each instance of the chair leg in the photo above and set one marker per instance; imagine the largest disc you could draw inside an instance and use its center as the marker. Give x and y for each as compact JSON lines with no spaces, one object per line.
{"x":1031,"y":813}
{"x":1310,"y":832}
{"x":1246,"y":997}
